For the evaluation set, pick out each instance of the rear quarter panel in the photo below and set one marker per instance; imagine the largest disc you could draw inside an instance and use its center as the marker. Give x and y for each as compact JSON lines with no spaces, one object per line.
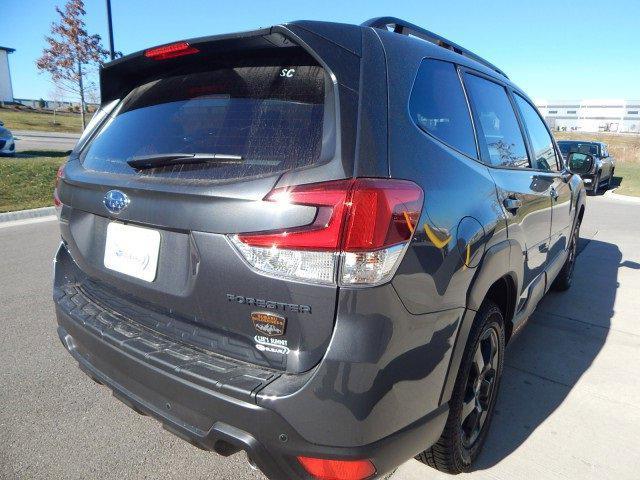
{"x":461,"y":218}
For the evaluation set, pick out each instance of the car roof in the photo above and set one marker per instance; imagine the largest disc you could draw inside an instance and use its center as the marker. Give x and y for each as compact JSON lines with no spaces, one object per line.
{"x":437,"y":52}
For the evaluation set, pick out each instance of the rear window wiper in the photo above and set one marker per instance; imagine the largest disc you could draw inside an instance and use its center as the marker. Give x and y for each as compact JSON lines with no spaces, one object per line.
{"x":165,"y":159}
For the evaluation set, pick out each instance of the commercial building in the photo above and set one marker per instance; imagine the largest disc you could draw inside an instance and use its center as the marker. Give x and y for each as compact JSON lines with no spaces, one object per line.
{"x":621,"y":116}
{"x":6,"y":88}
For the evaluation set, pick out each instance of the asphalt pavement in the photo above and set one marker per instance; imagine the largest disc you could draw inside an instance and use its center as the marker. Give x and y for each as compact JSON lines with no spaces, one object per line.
{"x":32,"y":140}
{"x":569,"y":404}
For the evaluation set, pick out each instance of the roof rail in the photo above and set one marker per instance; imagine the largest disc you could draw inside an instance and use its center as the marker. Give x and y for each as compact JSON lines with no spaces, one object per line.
{"x":405,"y":28}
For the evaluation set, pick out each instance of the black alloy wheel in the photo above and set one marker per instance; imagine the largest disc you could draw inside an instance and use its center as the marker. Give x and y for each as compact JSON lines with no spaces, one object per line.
{"x":481,"y":387}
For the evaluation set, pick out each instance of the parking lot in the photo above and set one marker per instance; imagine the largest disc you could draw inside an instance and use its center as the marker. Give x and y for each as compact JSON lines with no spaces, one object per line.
{"x":569,"y":404}
{"x":34,"y":140}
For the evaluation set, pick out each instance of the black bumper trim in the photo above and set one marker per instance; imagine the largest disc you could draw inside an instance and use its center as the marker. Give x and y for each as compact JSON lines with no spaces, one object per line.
{"x":213,"y":418}
{"x":221,"y":437}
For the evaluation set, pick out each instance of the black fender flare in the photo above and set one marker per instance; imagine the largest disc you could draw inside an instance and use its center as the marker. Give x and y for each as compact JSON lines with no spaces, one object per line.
{"x":500,"y":260}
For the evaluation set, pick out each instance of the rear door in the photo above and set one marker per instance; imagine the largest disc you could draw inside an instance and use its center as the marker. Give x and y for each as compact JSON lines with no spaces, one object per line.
{"x":525,"y":193}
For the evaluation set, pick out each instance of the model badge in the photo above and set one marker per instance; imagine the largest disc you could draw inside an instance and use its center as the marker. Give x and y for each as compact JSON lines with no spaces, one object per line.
{"x":115,"y":201}
{"x":268,"y":324}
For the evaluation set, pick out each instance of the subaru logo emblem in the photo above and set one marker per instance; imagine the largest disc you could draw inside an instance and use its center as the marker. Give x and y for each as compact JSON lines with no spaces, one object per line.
{"x":115,"y":201}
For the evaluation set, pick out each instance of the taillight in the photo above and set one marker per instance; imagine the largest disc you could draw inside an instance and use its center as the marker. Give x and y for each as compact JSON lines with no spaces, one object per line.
{"x":324,"y":469}
{"x":170,"y":51}
{"x":56,"y":199}
{"x":362,"y":227}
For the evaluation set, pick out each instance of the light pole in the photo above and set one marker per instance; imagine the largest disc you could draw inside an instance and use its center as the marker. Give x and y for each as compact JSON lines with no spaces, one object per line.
{"x":111,"y":49}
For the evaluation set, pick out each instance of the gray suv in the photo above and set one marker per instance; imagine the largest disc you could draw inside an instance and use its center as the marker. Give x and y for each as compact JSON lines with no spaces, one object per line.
{"x":312,"y":243}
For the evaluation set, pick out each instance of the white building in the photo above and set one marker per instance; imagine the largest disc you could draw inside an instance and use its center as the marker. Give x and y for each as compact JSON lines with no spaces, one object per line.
{"x":620,"y":116}
{"x":6,"y":89}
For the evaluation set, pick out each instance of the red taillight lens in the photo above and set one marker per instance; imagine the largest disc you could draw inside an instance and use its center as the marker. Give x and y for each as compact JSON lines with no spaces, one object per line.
{"x":382,"y":213}
{"x":324,"y":233}
{"x":360,"y":233}
{"x":323,"y":469}
{"x":171,"y":51}
{"x":353,"y":215}
{"x":59,"y":176}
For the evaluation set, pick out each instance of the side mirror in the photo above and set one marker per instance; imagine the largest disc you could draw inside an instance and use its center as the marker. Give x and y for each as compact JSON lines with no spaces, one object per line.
{"x":580,"y":163}
{"x":1,"y":123}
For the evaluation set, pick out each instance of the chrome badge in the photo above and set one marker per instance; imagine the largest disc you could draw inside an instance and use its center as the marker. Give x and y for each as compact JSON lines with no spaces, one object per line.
{"x":115,"y":201}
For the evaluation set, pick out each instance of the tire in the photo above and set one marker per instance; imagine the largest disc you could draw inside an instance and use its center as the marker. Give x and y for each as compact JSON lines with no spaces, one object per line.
{"x":610,"y":181}
{"x":475,"y":391}
{"x":565,"y":277}
{"x":596,"y":184}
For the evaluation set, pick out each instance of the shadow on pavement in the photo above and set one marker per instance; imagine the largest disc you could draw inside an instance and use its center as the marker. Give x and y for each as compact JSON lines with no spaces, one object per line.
{"x":550,"y":355}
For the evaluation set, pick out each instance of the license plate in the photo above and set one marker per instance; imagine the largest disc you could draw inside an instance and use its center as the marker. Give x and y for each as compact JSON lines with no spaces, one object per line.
{"x":132,"y":251}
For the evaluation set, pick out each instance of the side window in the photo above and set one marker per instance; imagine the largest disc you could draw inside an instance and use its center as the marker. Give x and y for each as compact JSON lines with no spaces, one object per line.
{"x":543,"y":152}
{"x":497,"y":123}
{"x":438,"y":106}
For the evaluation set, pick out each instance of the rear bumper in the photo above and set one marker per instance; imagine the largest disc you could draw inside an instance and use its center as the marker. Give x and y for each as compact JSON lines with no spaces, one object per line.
{"x":233,"y":424}
{"x":219,"y":415}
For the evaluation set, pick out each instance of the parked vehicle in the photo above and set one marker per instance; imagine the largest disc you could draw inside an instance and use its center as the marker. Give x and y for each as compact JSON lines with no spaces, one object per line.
{"x":604,"y":165}
{"x":7,"y":142}
{"x":312,"y":242}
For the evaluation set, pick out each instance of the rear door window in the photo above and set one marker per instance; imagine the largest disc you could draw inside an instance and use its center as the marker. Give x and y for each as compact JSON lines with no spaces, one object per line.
{"x":544,"y":155}
{"x":438,"y":106}
{"x":270,"y":115}
{"x":503,"y":144}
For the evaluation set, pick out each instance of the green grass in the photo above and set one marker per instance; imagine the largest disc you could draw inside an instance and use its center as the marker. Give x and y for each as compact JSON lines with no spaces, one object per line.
{"x":33,"y":120}
{"x":27,"y":180}
{"x":627,"y":177}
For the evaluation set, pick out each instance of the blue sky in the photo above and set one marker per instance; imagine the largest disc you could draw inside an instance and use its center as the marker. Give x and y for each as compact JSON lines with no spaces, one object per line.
{"x":552,"y":49}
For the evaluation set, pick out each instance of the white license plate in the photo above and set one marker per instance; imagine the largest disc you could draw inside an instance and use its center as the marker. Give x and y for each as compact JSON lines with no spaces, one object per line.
{"x":132,"y":250}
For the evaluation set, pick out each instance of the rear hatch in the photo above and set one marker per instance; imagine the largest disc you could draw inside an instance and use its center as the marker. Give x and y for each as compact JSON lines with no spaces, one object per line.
{"x":191,"y":139}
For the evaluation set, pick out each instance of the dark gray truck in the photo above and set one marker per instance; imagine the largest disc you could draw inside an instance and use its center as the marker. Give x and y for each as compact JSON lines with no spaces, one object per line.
{"x":311,"y":242}
{"x":603,"y":165}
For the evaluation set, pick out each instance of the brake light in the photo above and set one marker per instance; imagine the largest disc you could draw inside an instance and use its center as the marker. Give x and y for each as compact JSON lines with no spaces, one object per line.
{"x":365,"y":222}
{"x":323,"y":469}
{"x":56,"y":199}
{"x":170,"y":51}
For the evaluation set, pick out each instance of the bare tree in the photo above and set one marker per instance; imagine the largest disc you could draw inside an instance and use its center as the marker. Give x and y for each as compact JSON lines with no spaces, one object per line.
{"x":57,"y":94}
{"x":72,"y":52}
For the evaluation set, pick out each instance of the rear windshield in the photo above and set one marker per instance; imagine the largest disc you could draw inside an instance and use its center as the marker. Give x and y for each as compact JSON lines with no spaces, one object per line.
{"x":567,"y":147}
{"x":271,"y":116}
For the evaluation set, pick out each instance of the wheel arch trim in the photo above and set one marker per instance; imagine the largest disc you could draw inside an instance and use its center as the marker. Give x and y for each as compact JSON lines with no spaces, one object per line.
{"x":504,"y":259}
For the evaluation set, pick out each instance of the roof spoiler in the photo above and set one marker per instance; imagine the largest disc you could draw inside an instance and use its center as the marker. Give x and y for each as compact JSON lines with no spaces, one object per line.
{"x":120,"y":76}
{"x":403,"y":27}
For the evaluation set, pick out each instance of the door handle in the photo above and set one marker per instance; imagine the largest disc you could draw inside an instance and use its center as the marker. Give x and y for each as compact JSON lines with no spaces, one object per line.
{"x":554,"y":193}
{"x":512,"y":203}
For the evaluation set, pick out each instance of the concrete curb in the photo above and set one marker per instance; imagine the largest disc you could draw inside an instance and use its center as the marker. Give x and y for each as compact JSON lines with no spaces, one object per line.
{"x":624,"y":198}
{"x":26,"y":214}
